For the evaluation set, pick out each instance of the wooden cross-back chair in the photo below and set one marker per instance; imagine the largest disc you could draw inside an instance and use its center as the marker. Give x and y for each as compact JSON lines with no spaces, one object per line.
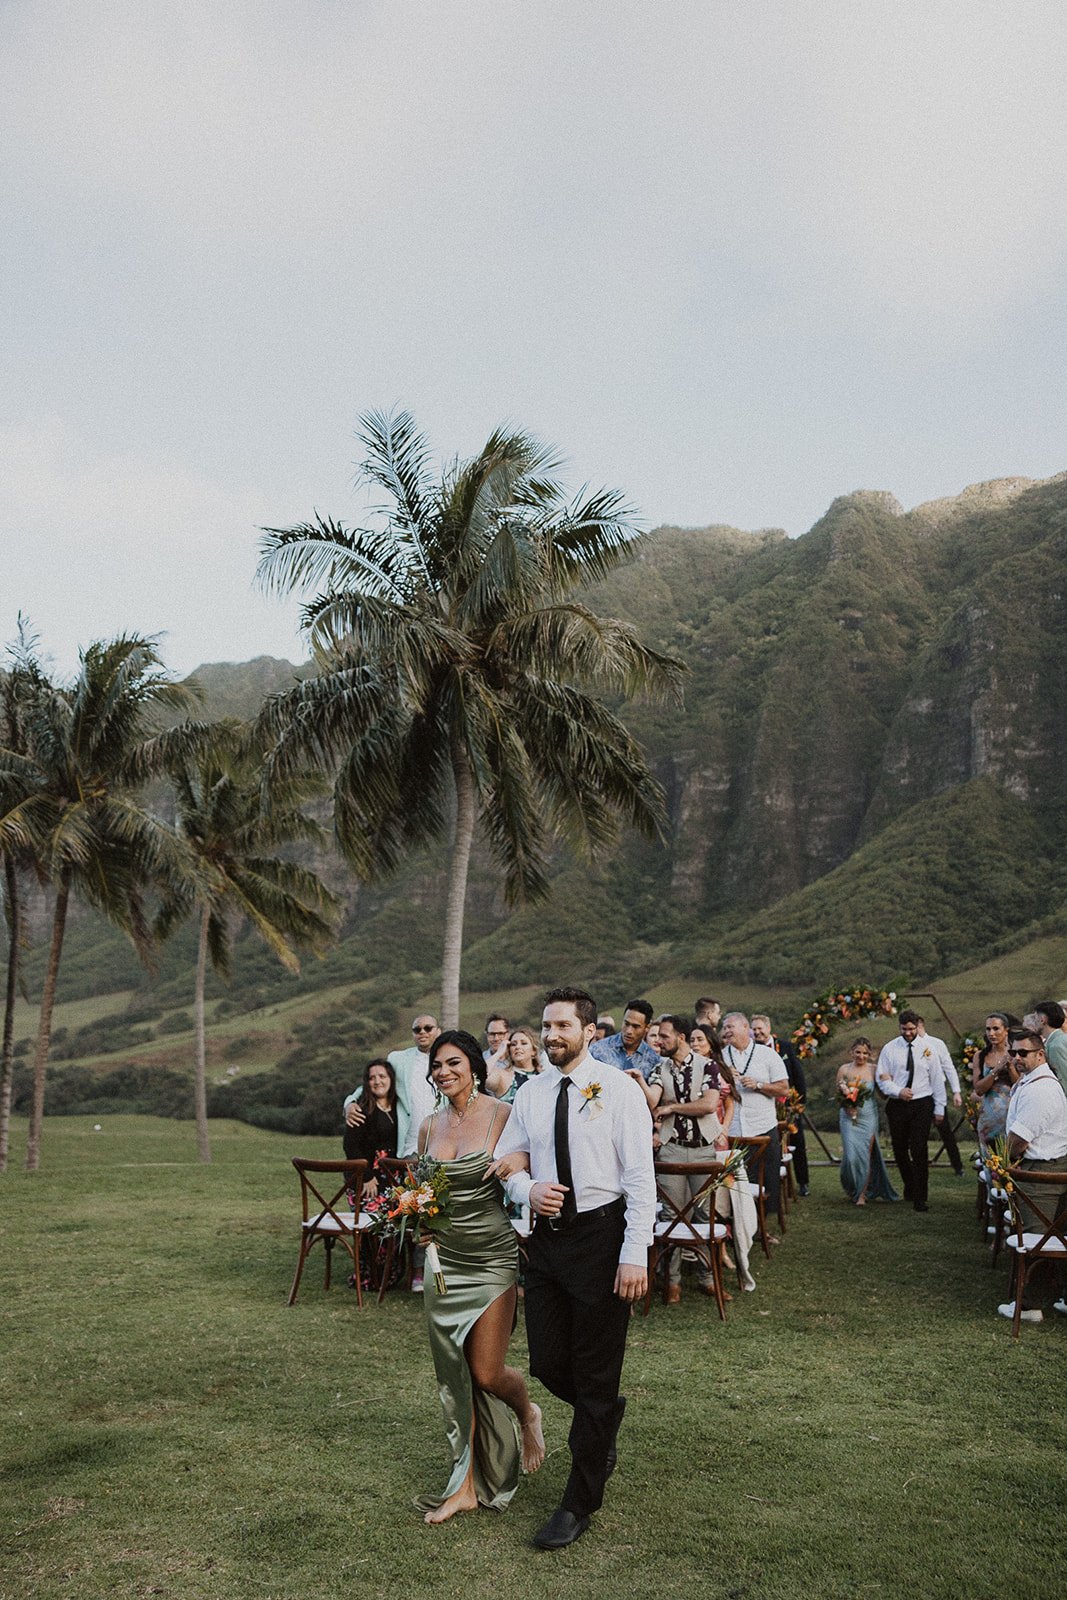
{"x":1040,"y":1233}
{"x":328,"y":1216}
{"x":756,"y":1146}
{"x":681,"y":1229}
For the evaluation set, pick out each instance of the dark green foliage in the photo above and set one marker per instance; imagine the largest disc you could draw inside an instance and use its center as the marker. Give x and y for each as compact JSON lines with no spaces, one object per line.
{"x":930,"y":895}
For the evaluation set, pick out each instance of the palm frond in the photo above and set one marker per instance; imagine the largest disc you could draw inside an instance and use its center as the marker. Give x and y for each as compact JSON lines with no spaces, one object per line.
{"x":323,"y":554}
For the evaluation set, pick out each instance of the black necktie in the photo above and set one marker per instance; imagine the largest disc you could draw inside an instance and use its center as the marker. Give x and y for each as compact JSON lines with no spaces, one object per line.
{"x":563,"y":1148}
{"x":911,"y":1068}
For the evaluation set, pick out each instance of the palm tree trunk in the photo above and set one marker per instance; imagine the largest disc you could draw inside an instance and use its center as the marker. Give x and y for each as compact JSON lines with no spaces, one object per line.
{"x":44,"y":1027}
{"x":203,"y":1143}
{"x":452,"y":956}
{"x":7,"y":1068}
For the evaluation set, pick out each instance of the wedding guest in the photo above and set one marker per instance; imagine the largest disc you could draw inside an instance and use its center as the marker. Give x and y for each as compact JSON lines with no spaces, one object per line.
{"x":909,"y":1073}
{"x":952,"y":1078}
{"x":375,"y":1134}
{"x":414,"y":1096}
{"x":688,"y":1123}
{"x":519,"y":1060}
{"x":993,"y":1076}
{"x":629,"y":1047}
{"x":760,"y":1077}
{"x":706,"y":1009}
{"x":761,"y":1030}
{"x":497,"y":1028}
{"x":1037,"y":1142}
{"x":1050,"y":1017}
{"x":604,"y":1026}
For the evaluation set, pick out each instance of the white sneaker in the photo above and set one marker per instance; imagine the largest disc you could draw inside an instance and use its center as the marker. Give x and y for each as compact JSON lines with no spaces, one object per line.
{"x":1024,"y":1316}
{"x":1060,"y":1306}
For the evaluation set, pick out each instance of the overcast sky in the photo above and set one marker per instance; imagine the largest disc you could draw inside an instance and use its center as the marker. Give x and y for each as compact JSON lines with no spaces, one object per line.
{"x":731,"y":258}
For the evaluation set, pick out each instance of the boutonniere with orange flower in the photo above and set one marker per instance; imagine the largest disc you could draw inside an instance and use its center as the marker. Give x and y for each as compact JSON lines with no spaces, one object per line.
{"x":591,"y":1101}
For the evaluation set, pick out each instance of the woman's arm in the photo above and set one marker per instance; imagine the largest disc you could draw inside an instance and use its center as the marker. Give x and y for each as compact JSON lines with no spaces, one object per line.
{"x":498,"y":1080}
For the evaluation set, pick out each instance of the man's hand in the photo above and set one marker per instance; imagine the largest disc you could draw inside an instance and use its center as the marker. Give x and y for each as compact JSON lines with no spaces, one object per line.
{"x":546,"y":1199}
{"x":516,"y":1161}
{"x":905,"y":1094}
{"x":957,"y":1099}
{"x":938,"y":1120}
{"x":631,"y":1283}
{"x":354,"y":1116}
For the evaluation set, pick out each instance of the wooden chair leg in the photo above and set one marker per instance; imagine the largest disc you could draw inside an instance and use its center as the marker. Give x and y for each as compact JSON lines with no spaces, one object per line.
{"x":329,"y":1243}
{"x":715,"y":1254}
{"x":305,"y":1246}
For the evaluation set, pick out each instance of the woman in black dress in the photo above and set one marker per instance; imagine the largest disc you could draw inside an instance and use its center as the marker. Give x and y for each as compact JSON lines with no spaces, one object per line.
{"x":376,"y":1135}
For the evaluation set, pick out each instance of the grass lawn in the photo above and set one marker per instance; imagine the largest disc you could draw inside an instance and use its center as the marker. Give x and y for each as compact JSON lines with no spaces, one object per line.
{"x":863,"y":1426}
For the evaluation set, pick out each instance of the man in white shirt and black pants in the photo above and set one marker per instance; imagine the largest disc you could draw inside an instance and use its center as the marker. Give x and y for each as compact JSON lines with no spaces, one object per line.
{"x":910,"y":1075}
{"x":592,"y":1189}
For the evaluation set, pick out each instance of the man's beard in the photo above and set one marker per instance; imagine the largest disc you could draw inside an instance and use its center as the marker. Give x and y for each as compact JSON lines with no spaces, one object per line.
{"x":562,"y":1055}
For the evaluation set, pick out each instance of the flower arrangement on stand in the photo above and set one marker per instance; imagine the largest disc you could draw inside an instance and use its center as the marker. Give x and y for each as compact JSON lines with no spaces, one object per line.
{"x":789,"y":1111}
{"x":853,"y":1003}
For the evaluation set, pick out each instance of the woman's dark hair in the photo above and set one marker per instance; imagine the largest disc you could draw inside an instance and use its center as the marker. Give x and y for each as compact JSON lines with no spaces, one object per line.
{"x":471,"y":1049}
{"x":366,"y":1098}
{"x":713,"y":1039}
{"x":1008,"y":1021}
{"x":863,"y":1039}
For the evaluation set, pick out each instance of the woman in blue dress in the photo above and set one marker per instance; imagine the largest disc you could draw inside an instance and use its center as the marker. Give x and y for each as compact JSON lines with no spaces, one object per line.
{"x":863,"y":1170}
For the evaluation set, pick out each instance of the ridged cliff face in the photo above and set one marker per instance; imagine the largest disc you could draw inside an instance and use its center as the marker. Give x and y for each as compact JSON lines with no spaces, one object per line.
{"x":839,"y":679}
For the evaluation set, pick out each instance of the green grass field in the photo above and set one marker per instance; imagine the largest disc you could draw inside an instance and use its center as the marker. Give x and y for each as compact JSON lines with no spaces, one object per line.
{"x":863,"y":1426}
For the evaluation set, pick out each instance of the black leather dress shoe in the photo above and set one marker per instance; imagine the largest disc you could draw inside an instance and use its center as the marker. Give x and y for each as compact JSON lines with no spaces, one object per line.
{"x":920,"y":1205}
{"x":561,"y":1529}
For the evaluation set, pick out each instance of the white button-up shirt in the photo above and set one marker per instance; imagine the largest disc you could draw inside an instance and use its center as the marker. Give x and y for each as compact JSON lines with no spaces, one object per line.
{"x":756,"y":1114}
{"x":1037,"y":1112}
{"x":928,"y":1080}
{"x":610,"y":1138}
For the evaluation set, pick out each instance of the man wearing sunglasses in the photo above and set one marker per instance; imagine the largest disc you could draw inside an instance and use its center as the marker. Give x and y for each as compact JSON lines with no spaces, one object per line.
{"x":1037,"y":1142}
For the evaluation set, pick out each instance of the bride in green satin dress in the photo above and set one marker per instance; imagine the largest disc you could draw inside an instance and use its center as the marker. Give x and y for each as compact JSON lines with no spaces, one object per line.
{"x":493,"y":1427}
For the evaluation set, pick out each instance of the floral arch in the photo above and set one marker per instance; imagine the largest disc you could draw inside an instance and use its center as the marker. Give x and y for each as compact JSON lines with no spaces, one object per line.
{"x":851,"y":1003}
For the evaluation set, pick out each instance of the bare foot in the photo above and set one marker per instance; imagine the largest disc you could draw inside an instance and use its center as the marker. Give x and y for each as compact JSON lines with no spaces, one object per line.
{"x":862,"y":1201}
{"x":533,"y":1441}
{"x":464,"y":1499}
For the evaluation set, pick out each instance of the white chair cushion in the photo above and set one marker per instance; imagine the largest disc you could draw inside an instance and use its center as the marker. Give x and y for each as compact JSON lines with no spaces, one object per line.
{"x":1051,"y":1247}
{"x":687,"y":1232}
{"x":343,"y":1222}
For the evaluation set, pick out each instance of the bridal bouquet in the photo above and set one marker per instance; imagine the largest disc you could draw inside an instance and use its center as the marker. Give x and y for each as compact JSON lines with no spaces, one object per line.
{"x":419,"y":1203}
{"x":853,"y":1093}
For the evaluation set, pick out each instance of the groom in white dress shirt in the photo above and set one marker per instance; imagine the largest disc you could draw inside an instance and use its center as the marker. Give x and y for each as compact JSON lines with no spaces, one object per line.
{"x":592,"y":1189}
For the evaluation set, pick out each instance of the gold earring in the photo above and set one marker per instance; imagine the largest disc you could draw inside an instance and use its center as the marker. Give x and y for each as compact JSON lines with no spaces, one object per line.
{"x":472,"y":1097}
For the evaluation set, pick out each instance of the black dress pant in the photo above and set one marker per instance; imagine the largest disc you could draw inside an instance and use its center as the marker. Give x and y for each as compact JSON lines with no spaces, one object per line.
{"x":576,"y":1328}
{"x":799,"y":1146}
{"x":909,"y":1128}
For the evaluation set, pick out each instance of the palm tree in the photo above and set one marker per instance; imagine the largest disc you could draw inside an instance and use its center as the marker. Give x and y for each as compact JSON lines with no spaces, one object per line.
{"x":231,"y":832}
{"x":17,"y":684}
{"x":458,"y":672}
{"x":91,"y":748}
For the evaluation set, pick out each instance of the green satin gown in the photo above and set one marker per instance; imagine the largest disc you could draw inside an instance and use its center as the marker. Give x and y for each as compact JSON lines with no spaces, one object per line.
{"x":480,"y":1262}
